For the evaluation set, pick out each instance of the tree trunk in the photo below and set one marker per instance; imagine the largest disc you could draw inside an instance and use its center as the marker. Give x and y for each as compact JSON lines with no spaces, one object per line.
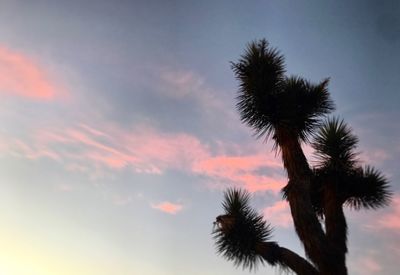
{"x":335,"y":227}
{"x":306,"y":223}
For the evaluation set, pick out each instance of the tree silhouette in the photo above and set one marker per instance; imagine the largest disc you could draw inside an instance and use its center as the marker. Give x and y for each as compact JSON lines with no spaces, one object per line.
{"x":290,"y":110}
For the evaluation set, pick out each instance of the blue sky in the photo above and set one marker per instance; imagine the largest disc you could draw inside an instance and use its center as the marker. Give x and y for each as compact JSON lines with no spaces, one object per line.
{"x":119,"y":133}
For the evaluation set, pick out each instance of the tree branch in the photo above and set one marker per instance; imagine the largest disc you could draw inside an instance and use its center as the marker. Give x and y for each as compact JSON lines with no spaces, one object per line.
{"x":273,"y":253}
{"x":297,"y":191}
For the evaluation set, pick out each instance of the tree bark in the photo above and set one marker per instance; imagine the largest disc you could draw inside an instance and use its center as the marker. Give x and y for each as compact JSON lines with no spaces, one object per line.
{"x":335,"y":227}
{"x":306,"y":223}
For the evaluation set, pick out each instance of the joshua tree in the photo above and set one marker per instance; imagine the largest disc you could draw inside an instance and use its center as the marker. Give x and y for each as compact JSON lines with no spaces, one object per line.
{"x":290,"y":110}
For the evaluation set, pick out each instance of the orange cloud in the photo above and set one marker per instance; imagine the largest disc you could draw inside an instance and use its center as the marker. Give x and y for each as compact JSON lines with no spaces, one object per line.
{"x":168,"y":207}
{"x":278,"y":214}
{"x":20,"y":76}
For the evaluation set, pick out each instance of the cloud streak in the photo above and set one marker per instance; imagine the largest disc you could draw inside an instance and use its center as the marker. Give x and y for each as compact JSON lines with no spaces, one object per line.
{"x":278,"y":214}
{"x":243,"y":171}
{"x":168,"y":207}
{"x":98,"y":152}
{"x":21,"y":76}
{"x":391,"y":220}
{"x":367,"y":264}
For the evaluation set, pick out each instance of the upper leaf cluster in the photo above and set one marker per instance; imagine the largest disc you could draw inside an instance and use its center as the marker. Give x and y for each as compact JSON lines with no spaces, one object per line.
{"x":269,"y":100}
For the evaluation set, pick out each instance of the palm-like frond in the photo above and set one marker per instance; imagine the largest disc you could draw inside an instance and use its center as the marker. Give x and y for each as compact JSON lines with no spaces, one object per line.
{"x":268,"y":100}
{"x":367,"y":188}
{"x":301,"y":104}
{"x":240,"y":230}
{"x":335,"y":145}
{"x":260,"y":72}
{"x":358,"y":188}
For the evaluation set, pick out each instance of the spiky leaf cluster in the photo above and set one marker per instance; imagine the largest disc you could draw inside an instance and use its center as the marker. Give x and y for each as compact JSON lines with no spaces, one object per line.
{"x":338,"y":166}
{"x":367,"y":188}
{"x":240,"y":230}
{"x":268,"y":100}
{"x":335,"y":145}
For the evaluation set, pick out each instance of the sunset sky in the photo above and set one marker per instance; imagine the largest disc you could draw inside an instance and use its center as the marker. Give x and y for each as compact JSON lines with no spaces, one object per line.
{"x":119,"y":134}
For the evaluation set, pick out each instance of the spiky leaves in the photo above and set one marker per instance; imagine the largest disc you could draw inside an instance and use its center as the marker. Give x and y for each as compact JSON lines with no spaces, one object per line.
{"x":240,"y":231}
{"x":367,"y":188}
{"x":260,"y":72}
{"x":268,"y":100}
{"x":357,"y":187}
{"x":335,"y":145}
{"x":286,"y":109}
{"x":301,"y":105}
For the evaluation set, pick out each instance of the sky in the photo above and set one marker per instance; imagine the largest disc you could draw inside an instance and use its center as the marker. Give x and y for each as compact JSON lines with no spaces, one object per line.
{"x":119,"y":133}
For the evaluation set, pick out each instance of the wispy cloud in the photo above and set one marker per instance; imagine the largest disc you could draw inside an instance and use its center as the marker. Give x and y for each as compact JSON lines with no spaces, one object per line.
{"x":21,"y":76}
{"x":183,"y":83}
{"x":168,"y":207}
{"x":19,"y":148}
{"x":173,"y":99}
{"x":374,"y":156}
{"x":244,"y":171}
{"x":86,"y":149}
{"x":367,"y":264}
{"x":391,"y":220}
{"x":103,"y":150}
{"x":187,"y":84}
{"x":278,"y":214}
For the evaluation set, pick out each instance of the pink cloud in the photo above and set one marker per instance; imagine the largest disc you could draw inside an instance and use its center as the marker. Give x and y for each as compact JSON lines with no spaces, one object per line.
{"x":309,"y":153}
{"x":168,"y":207}
{"x":278,"y":214}
{"x":20,"y":148}
{"x":143,"y":150}
{"x":256,"y":183}
{"x":391,"y":220}
{"x":367,"y":265}
{"x":164,"y":151}
{"x":21,"y":76}
{"x":242,"y":170}
{"x":228,"y":164}
{"x":375,"y":156}
{"x":371,"y":265}
{"x":93,"y":131}
{"x":86,"y":149}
